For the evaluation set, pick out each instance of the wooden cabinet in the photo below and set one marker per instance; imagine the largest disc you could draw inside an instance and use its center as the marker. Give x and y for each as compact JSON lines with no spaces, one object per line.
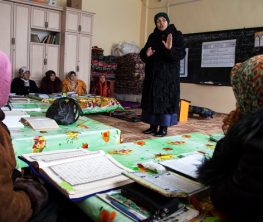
{"x":67,"y":46}
{"x":14,"y":31}
{"x":42,"y":18}
{"x":78,"y":21}
{"x":43,"y":57}
{"x":77,"y":45}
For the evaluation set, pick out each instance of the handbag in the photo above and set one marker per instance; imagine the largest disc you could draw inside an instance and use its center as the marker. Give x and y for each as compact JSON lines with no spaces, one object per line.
{"x":64,"y":111}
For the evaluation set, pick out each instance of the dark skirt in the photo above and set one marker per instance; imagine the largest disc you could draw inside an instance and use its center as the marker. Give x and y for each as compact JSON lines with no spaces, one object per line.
{"x":159,"y":119}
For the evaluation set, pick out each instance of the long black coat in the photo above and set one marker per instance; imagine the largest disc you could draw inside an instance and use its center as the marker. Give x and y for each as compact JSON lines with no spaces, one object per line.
{"x":235,"y":172}
{"x":18,"y":87}
{"x":161,"y":86}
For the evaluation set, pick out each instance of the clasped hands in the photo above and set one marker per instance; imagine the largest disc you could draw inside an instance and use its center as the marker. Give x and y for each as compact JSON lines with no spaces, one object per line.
{"x":167,"y":44}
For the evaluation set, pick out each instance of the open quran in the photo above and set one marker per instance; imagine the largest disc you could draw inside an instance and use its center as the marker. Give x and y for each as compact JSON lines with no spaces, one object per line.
{"x":78,"y":173}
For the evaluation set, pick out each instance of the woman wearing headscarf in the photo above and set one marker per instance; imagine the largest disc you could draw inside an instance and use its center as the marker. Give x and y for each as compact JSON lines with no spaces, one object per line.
{"x":24,"y":199}
{"x":235,"y":171}
{"x":102,"y":87}
{"x":19,"y":198}
{"x":51,"y":83}
{"x":162,"y":53}
{"x":23,"y":85}
{"x":73,"y":84}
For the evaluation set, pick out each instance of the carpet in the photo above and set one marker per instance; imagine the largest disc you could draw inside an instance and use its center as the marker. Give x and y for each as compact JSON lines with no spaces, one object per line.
{"x":132,"y":131}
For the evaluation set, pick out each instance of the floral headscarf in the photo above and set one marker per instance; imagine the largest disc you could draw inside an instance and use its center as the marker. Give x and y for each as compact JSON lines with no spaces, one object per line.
{"x":247,"y":83}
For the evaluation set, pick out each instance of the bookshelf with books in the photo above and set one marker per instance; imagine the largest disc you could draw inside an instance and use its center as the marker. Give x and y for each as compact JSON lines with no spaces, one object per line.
{"x":45,"y":41}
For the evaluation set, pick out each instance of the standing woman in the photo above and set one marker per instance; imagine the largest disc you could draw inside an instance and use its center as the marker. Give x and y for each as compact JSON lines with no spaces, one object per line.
{"x":73,"y":84}
{"x":51,"y":83}
{"x":162,"y":53}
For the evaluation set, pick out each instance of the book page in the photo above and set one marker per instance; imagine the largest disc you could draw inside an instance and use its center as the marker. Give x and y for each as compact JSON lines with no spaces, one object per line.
{"x":169,"y":184}
{"x":186,"y":165}
{"x":84,"y":174}
{"x":40,"y":123}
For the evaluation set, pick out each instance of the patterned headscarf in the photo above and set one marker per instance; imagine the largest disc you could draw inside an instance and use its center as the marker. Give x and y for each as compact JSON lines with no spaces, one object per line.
{"x":247,"y":83}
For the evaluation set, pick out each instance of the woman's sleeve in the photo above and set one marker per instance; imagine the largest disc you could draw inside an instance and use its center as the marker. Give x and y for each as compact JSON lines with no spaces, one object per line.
{"x":64,"y":86}
{"x":222,"y":164}
{"x":143,"y":55}
{"x":59,"y":85}
{"x":43,"y":86}
{"x":34,"y":89}
{"x":84,"y":87}
{"x":14,"y":86}
{"x":14,"y":205}
{"x":177,"y":52}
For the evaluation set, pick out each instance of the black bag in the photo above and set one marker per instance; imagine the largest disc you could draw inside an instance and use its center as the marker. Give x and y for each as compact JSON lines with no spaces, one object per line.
{"x":64,"y":111}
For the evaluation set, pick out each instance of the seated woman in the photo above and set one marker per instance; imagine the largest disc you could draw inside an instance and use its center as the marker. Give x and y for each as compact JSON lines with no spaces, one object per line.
{"x":73,"y":84}
{"x":102,"y":87}
{"x":51,"y":83}
{"x":235,"y":171}
{"x":23,"y":85}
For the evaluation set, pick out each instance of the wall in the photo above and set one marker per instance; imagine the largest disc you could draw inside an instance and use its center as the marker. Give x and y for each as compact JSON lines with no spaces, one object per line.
{"x":192,"y":16}
{"x":115,"y":21}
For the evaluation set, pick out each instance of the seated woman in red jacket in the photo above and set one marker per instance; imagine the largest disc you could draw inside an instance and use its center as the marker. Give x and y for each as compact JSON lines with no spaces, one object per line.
{"x":102,"y":87}
{"x":235,"y":171}
{"x":51,"y":83}
{"x":23,"y":85}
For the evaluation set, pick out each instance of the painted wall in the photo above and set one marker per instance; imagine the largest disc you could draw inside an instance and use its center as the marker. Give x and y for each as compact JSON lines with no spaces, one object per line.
{"x":192,"y":16}
{"x":115,"y":21}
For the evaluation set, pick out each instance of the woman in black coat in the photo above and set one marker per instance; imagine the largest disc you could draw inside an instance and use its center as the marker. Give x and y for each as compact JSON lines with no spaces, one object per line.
{"x":51,"y":83}
{"x":235,"y":171}
{"x":162,"y":53}
{"x":23,"y":85}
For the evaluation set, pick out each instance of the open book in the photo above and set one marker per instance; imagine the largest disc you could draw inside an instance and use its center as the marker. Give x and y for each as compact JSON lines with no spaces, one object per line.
{"x":12,"y":118}
{"x":40,"y":123}
{"x":186,"y":165}
{"x":78,"y":173}
{"x":168,"y":184}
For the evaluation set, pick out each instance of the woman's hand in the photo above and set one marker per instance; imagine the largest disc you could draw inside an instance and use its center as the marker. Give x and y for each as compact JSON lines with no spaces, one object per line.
{"x":169,"y":41}
{"x":150,"y":52}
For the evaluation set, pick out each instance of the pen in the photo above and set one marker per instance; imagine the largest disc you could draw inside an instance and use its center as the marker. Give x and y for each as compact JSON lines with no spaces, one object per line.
{"x":124,"y":210}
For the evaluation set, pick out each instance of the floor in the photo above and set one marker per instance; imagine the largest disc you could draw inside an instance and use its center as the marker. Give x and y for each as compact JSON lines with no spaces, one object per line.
{"x":133,"y":131}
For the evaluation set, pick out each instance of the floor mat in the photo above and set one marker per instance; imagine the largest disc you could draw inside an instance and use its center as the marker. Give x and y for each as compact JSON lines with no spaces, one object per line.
{"x":129,"y":104}
{"x":130,"y":116}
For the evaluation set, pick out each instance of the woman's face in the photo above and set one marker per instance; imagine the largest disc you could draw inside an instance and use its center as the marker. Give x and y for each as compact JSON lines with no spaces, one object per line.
{"x":102,"y":79}
{"x":73,"y":77}
{"x":161,"y":23}
{"x":52,"y":77}
{"x":26,"y":75}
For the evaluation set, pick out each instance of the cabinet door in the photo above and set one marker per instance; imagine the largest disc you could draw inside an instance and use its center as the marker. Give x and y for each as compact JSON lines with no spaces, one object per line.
{"x":21,"y":34}
{"x":70,"y":53}
{"x":86,"y":23}
{"x":52,"y":58}
{"x":53,"y":20}
{"x":84,"y":59}
{"x":38,"y":18}
{"x":6,"y":24}
{"x":37,"y":53}
{"x":72,"y":21}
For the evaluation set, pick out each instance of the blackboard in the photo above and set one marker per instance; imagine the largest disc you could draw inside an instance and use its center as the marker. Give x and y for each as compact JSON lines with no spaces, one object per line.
{"x":245,"y":40}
